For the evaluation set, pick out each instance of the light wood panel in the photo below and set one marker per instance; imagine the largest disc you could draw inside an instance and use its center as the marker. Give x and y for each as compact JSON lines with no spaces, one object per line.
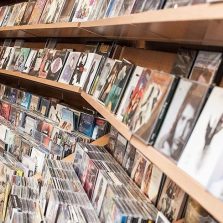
{"x":55,"y":84}
{"x":149,"y":58}
{"x":102,"y":141}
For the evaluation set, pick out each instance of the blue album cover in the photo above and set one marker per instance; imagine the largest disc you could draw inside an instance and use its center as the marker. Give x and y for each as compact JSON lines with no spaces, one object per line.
{"x":86,"y":125}
{"x":26,"y":100}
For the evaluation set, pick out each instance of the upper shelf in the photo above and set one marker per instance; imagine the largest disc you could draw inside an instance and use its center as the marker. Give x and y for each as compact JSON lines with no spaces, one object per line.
{"x":198,"y":24}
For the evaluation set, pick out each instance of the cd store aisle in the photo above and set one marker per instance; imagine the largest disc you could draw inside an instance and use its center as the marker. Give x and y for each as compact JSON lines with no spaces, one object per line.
{"x":111,"y":111}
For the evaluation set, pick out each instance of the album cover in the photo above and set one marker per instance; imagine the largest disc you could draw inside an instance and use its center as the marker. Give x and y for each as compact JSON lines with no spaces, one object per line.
{"x":2,"y":90}
{"x":103,"y":9}
{"x":129,"y":158}
{"x":184,"y":62}
{"x":118,"y":87}
{"x":206,"y":66}
{"x":107,"y":204}
{"x":137,"y":94}
{"x":6,"y":57}
{"x":171,"y":201}
{"x":35,"y":67}
{"x":69,"y":67}
{"x":25,"y":147}
{"x":30,"y":61}
{"x":112,"y":140}
{"x":13,"y":59}
{"x":114,"y":8}
{"x":56,"y":65}
{"x":21,"y":60}
{"x":46,"y":63}
{"x":126,"y":7}
{"x":99,"y":192}
{"x":82,"y":69}
{"x":47,"y":10}
{"x":86,"y":124}
{"x":150,"y":105}
{"x":55,"y":10}
{"x":29,"y":124}
{"x":38,"y":156}
{"x":177,"y":3}
{"x":96,"y":10}
{"x":2,"y":53}
{"x":97,"y":76}
{"x":146,"y":5}
{"x":68,"y":10}
{"x":28,"y":12}
{"x":138,"y":169}
{"x":37,"y":11}
{"x":181,"y":118}
{"x":13,"y":14}
{"x":92,"y":72}
{"x":196,"y":213}
{"x":83,"y":10}
{"x":3,"y":12}
{"x":5,"y":110}
{"x":20,"y":13}
{"x":90,"y":180}
{"x":67,"y":120}
{"x":34,"y":103}
{"x":151,"y":182}
{"x":102,"y":77}
{"x":7,"y":15}
{"x":10,"y":94}
{"x":120,"y":148}
{"x":25,"y":102}
{"x":100,"y":129}
{"x":153,"y":5}
{"x":203,"y":161}
{"x":44,"y":106}
{"x":161,"y":218}
{"x":129,"y":91}
{"x":30,"y":164}
{"x":55,"y":113}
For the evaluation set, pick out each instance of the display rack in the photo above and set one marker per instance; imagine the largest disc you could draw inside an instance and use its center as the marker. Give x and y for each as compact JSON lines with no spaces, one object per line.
{"x":200,"y":24}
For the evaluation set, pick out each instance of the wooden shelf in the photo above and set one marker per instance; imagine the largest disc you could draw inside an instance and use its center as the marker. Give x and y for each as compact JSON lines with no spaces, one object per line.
{"x":70,"y":29}
{"x":198,"y":24}
{"x":123,"y":129}
{"x":47,"y":82}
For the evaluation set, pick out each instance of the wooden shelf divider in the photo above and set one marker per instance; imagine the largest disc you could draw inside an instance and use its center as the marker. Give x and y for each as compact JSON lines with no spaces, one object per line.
{"x":62,"y":86}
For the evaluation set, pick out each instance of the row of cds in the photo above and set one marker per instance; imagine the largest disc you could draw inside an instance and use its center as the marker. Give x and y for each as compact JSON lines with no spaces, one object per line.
{"x":52,"y":11}
{"x":117,"y":199}
{"x":62,"y":196}
{"x":34,"y":127}
{"x":161,"y":109}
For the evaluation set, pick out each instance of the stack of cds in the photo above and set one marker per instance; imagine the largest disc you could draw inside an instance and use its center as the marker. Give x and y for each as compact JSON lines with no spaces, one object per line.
{"x":112,"y":192}
{"x":62,"y":196}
